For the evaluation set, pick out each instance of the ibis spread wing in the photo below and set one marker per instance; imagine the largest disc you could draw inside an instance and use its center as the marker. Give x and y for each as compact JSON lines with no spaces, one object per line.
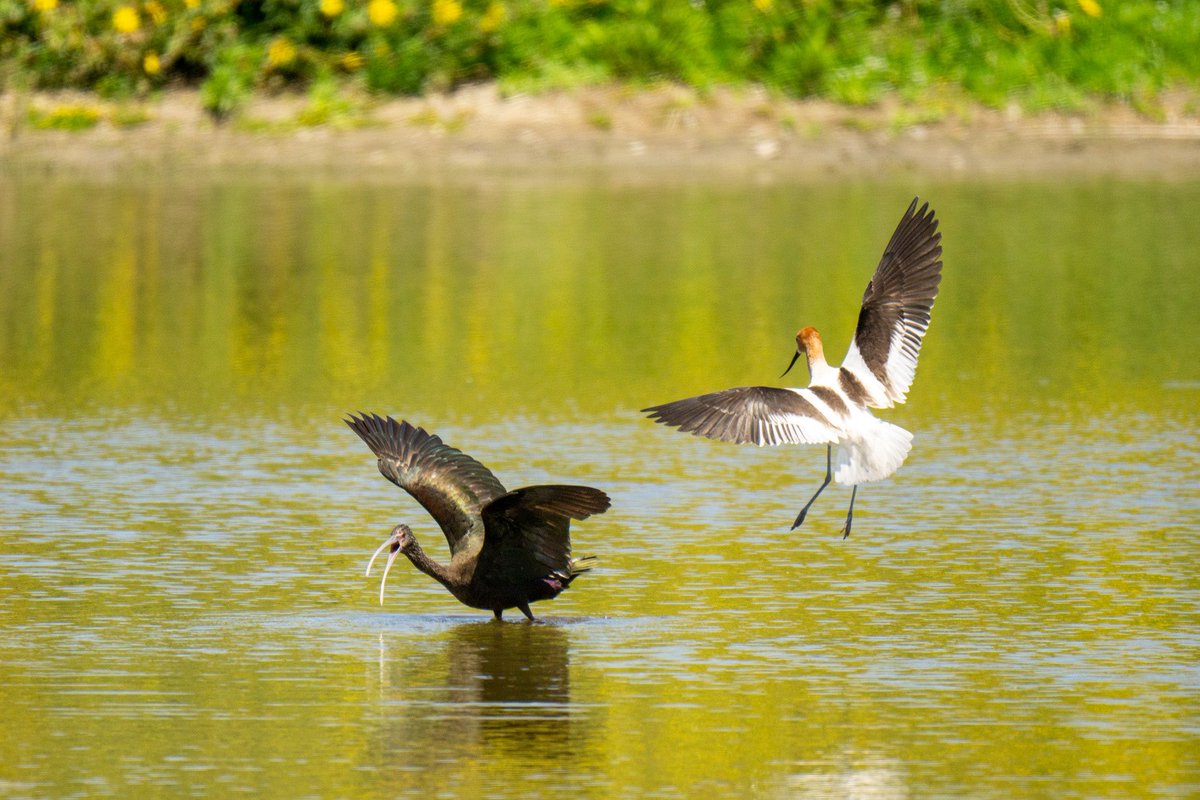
{"x":527,"y":531}
{"x":452,"y":486}
{"x":895,"y":309}
{"x":760,"y":415}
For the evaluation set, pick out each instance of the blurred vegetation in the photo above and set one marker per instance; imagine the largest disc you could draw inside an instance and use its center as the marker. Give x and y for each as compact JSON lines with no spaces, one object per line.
{"x":1039,"y":53}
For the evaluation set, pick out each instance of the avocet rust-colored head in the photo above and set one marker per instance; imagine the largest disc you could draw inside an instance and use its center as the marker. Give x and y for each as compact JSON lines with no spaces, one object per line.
{"x":400,"y":541}
{"x":808,"y":343}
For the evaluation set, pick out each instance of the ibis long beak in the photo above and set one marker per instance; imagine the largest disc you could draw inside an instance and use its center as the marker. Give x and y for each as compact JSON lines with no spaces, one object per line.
{"x":792,"y":364}
{"x":395,"y":545}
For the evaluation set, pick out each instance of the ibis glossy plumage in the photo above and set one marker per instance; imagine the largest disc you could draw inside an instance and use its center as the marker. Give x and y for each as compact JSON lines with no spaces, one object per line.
{"x":508,"y":549}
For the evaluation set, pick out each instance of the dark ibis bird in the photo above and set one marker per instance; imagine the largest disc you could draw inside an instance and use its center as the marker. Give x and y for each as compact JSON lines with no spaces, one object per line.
{"x":507,"y":549}
{"x":876,"y":373}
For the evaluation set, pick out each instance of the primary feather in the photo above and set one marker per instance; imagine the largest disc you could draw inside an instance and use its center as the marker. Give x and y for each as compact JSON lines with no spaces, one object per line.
{"x":448,"y":483}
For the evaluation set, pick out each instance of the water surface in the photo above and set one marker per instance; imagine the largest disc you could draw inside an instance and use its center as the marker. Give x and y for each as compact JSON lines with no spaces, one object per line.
{"x":185,"y":520}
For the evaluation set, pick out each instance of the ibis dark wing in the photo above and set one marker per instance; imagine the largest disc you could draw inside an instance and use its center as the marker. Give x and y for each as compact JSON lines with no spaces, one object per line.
{"x":895,"y":309}
{"x":760,"y":415}
{"x":527,"y":531}
{"x":452,"y":486}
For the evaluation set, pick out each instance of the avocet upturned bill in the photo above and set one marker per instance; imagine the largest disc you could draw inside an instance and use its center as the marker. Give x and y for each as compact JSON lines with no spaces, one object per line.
{"x":876,"y":373}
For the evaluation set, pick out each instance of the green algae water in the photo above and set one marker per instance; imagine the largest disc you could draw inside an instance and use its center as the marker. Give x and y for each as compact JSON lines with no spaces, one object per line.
{"x":185,"y":519}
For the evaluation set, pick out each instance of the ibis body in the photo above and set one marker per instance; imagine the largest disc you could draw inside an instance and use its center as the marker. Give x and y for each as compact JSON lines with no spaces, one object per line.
{"x":507,"y":549}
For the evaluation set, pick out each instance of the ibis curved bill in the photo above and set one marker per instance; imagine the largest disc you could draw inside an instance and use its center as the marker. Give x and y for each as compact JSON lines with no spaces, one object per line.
{"x":393,"y":543}
{"x":833,"y":409}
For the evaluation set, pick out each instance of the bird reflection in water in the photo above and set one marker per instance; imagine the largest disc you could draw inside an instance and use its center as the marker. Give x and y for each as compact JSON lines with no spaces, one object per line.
{"x":487,"y":689}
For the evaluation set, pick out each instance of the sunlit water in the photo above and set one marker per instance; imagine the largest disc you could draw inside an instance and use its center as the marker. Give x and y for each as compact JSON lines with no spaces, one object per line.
{"x":185,"y":519}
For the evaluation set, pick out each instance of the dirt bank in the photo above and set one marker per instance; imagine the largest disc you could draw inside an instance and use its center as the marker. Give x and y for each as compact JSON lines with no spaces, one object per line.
{"x":635,"y":134}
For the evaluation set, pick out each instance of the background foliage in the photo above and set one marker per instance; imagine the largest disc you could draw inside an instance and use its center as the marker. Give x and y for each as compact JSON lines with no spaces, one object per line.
{"x":1041,"y":53}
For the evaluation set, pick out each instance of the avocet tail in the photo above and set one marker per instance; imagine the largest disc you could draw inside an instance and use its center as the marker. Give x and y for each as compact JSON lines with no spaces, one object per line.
{"x":878,"y":452}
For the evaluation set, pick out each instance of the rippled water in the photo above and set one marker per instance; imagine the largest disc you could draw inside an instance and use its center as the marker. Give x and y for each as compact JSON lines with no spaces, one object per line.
{"x":185,"y":519}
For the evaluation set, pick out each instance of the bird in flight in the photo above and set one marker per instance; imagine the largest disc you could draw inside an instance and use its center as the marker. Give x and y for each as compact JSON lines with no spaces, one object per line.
{"x":507,"y":549}
{"x":833,"y":409}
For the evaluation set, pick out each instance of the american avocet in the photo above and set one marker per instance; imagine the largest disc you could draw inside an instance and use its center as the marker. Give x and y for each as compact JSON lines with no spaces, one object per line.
{"x":508,"y":549}
{"x":875,"y":373}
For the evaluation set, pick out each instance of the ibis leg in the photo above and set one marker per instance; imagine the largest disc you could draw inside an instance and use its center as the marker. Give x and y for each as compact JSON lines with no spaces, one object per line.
{"x":499,"y":612}
{"x":850,"y":513}
{"x":828,"y":476}
{"x":525,"y":610}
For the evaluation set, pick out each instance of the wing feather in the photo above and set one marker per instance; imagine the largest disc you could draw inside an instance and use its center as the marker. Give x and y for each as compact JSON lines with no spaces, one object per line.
{"x":896,"y":309}
{"x":760,"y":415}
{"x":527,"y":531}
{"x":448,"y":483}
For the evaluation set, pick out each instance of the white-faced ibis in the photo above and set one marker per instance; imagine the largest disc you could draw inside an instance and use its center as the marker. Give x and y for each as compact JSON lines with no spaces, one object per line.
{"x":507,"y":549}
{"x":876,"y":373}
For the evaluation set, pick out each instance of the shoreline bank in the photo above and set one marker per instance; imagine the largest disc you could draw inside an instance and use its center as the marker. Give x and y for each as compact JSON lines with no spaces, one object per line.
{"x":642,"y":134}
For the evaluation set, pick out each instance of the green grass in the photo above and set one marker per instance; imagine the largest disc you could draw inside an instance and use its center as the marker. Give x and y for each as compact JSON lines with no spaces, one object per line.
{"x":600,"y":120}
{"x":1040,"y":54}
{"x":68,"y":117}
{"x":129,"y":116}
{"x":329,"y":106}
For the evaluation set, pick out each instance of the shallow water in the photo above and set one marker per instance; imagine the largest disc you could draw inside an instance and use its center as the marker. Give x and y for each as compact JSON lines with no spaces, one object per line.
{"x":186,"y":520}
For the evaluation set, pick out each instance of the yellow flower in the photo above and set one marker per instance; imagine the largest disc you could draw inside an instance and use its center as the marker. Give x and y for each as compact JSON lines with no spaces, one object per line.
{"x":492,"y":18}
{"x":381,"y":12}
{"x":192,"y":4}
{"x":156,"y":11}
{"x":352,"y":61}
{"x":331,"y":8}
{"x":763,"y":5}
{"x":1062,"y":23}
{"x":125,"y":19}
{"x":1090,"y":7}
{"x":150,"y":64}
{"x":45,"y":5}
{"x":446,"y":12}
{"x":280,"y":52}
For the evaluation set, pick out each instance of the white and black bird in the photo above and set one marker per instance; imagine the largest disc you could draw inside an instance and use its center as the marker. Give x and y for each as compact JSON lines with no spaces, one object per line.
{"x":507,"y":549}
{"x":876,"y":373}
